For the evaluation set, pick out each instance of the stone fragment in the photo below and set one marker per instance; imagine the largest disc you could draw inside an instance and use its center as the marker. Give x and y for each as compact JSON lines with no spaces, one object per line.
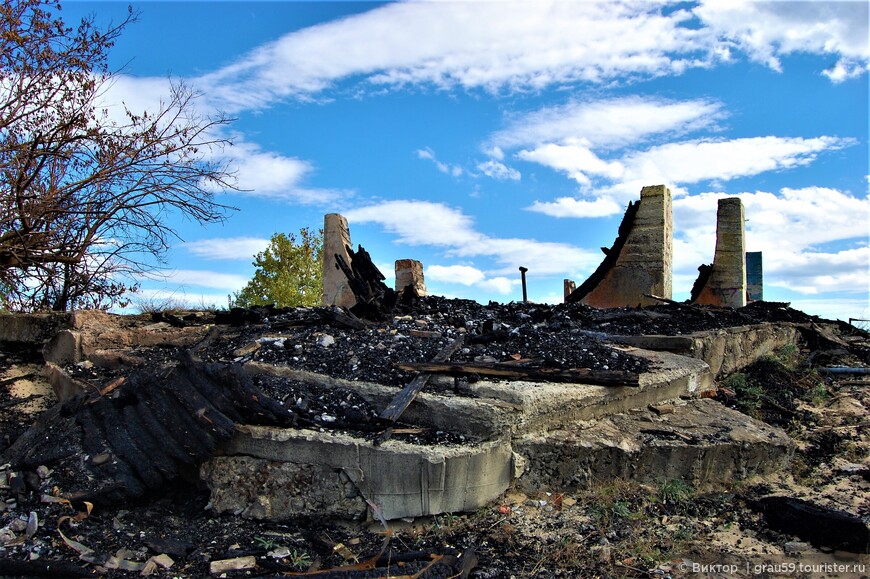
{"x":236,"y":564}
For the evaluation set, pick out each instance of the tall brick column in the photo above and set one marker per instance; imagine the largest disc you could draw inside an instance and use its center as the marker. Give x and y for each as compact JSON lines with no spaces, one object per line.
{"x":726,"y":286}
{"x":336,"y":240}
{"x":645,"y":261}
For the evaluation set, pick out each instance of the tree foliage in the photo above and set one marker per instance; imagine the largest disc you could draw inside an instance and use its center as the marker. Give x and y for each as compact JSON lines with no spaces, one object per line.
{"x":289,"y":272}
{"x":85,"y":190}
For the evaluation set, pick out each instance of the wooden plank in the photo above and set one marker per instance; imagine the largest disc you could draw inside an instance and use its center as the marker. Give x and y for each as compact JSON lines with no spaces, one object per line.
{"x":404,"y":398}
{"x":513,"y":372}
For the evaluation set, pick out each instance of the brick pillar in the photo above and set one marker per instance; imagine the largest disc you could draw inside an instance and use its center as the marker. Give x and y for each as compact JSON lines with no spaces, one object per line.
{"x":754,"y":277}
{"x":568,"y":286}
{"x":409,"y":272}
{"x":726,"y":286}
{"x":336,"y":240}
{"x":645,"y":263}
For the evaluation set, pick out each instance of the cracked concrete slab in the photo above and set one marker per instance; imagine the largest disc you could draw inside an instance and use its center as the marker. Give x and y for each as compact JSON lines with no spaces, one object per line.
{"x":701,"y":442}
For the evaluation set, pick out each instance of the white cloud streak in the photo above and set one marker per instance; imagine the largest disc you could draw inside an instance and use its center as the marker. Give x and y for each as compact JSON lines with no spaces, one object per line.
{"x":227,"y":248}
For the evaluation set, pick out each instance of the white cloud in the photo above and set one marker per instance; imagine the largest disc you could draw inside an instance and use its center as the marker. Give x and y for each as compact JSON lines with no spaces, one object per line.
{"x":700,"y":160}
{"x":461,"y":274}
{"x":571,"y":207}
{"x":203,"y":278}
{"x":489,"y":44}
{"x":575,"y":160}
{"x":470,"y":276}
{"x":770,"y":30}
{"x":435,"y":224}
{"x":498,"y":170}
{"x":499,"y":285}
{"x":608,"y":123}
{"x":225,"y":248}
{"x":429,"y":154}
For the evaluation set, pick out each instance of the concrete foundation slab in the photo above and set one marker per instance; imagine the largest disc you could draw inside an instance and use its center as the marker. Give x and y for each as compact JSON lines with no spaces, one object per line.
{"x":724,"y":351}
{"x":544,"y":406}
{"x":403,"y":480}
{"x":701,"y":442}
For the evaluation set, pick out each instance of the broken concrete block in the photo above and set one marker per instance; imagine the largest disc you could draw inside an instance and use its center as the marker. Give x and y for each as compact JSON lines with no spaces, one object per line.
{"x":64,"y":348}
{"x":640,"y":262}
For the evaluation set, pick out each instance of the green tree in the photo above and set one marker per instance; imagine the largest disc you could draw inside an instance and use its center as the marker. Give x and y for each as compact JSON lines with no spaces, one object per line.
{"x":289,"y":273}
{"x":84,"y":193}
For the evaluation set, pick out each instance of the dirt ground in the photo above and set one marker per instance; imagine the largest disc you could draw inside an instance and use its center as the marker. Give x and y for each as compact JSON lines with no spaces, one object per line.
{"x":618,"y":529}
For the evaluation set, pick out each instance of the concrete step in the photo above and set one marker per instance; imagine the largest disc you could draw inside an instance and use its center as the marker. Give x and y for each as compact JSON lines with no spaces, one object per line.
{"x":700,"y":442}
{"x":542,"y":406}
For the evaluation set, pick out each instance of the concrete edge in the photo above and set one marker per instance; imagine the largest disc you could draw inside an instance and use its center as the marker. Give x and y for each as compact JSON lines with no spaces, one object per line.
{"x":401,"y":479}
{"x":481,"y":419}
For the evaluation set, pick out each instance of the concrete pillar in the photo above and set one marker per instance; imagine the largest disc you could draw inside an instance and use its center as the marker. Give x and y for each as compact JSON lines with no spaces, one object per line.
{"x":336,"y":240}
{"x":409,"y":272}
{"x":645,"y":262}
{"x":754,"y":277}
{"x":726,"y":286}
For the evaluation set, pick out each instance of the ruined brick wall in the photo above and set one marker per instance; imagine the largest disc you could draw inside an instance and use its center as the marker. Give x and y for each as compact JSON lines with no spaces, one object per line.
{"x":645,"y":261}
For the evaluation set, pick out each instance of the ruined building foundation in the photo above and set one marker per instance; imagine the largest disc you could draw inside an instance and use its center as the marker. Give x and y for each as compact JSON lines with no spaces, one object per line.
{"x":726,"y":284}
{"x":641,"y":261}
{"x":336,"y":240}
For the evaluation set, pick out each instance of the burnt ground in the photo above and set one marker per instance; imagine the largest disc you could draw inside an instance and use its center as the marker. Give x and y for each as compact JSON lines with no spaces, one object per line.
{"x":618,"y":529}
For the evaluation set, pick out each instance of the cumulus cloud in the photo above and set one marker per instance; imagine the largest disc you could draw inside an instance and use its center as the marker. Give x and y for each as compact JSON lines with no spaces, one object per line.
{"x":706,"y":159}
{"x":226,"y":248}
{"x":470,"y":276}
{"x":461,"y":274}
{"x":766,"y":31}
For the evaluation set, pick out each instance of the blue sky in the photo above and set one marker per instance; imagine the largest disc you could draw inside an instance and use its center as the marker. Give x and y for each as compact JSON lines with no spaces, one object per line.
{"x":478,"y":137}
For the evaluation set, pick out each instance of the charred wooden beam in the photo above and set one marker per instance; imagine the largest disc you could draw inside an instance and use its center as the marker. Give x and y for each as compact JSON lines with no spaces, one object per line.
{"x":374,"y":298}
{"x":145,"y":432}
{"x":821,"y":526}
{"x":510,"y":371}
{"x":398,"y":405}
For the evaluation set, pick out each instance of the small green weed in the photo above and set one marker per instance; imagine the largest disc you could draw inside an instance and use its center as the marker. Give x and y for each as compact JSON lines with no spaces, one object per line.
{"x":675,"y":491}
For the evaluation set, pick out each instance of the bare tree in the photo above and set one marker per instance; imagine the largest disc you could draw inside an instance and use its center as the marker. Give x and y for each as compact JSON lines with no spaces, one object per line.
{"x":84,"y":197}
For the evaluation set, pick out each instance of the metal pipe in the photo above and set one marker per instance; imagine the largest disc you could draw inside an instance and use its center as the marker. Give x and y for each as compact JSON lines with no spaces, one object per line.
{"x":523,"y":271}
